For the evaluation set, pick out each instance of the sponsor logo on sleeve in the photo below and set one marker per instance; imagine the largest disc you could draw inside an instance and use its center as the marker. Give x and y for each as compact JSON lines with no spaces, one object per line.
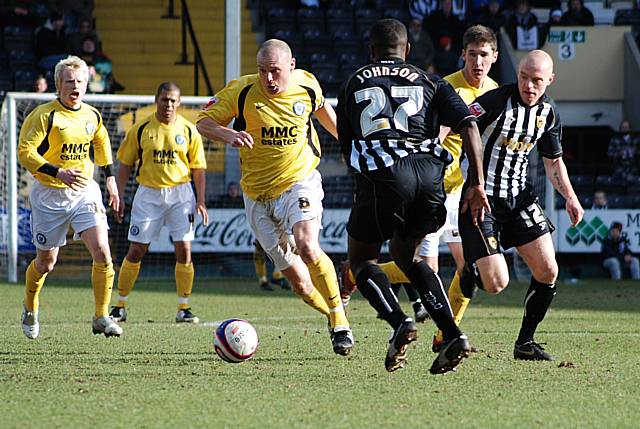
{"x":476,"y":109}
{"x":213,"y":100}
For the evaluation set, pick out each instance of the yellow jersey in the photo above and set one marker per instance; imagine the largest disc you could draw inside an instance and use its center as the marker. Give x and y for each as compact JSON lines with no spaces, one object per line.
{"x":453,"y":178}
{"x":62,"y":137}
{"x":286,"y":146}
{"x":166,"y":153}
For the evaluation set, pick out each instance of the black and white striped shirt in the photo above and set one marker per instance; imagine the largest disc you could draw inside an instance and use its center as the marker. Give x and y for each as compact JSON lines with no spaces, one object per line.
{"x":510,"y":130}
{"x":390,"y":109}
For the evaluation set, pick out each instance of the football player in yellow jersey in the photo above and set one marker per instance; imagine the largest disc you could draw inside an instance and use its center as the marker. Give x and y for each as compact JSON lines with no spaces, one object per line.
{"x":169,"y":151}
{"x":279,"y":153}
{"x":480,"y":51}
{"x":55,"y":142}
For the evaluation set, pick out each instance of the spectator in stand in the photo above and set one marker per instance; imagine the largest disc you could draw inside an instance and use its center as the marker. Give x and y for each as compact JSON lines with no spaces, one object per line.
{"x":51,"y":43}
{"x":101,"y":79}
{"x":422,"y":51}
{"x":232,"y":199}
{"x":446,"y":58}
{"x":616,"y":253}
{"x":40,"y":84}
{"x":20,"y":16}
{"x":555,"y":17}
{"x":443,"y":22}
{"x":74,"y":11}
{"x":599,"y":201}
{"x":420,"y":9}
{"x":491,"y":16}
{"x":577,"y":14}
{"x":83,"y":31}
{"x":522,"y":27}
{"x":623,"y":149}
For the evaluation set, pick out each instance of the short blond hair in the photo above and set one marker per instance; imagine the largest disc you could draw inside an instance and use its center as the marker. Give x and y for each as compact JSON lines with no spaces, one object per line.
{"x":73,"y":63}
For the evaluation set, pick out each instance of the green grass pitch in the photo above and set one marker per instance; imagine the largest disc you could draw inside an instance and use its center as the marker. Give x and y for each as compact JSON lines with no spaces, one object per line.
{"x":160,"y":374}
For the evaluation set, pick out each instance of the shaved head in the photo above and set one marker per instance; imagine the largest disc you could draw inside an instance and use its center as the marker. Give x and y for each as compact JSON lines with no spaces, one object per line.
{"x":274,"y":47}
{"x":537,"y":59}
{"x":275,"y":66}
{"x":535,"y":74}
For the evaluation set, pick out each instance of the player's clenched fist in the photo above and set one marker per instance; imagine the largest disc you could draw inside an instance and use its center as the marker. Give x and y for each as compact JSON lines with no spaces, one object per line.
{"x":242,"y":139}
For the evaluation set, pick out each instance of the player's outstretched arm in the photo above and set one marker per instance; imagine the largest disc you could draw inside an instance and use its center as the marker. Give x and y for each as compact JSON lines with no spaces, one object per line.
{"x":475,"y":199}
{"x":557,"y":173}
{"x":327,"y":118}
{"x":214,"y":131}
{"x":200,"y":183}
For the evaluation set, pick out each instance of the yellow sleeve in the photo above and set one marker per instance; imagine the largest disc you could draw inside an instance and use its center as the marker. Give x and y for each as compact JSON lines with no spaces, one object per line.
{"x":197,"y":158}
{"x":32,"y":134}
{"x":315,"y":85}
{"x":222,"y":107}
{"x":128,"y":150}
{"x":102,"y":146}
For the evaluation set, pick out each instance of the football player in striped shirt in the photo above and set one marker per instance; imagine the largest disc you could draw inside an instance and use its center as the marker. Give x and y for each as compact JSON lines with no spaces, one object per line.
{"x":513,"y":120}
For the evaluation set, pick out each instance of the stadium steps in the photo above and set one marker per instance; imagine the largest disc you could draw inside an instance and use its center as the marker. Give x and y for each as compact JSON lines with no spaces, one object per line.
{"x":144,"y":47}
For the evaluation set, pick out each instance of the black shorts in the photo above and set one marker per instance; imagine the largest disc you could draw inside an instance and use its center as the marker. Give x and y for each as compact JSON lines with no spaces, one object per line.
{"x":406,"y":199}
{"x":510,"y":224}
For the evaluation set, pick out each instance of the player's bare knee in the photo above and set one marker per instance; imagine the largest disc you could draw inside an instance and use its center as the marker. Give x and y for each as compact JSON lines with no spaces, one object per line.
{"x":547,"y":274}
{"x":495,"y":283}
{"x":308,"y":251}
{"x":45,"y":266}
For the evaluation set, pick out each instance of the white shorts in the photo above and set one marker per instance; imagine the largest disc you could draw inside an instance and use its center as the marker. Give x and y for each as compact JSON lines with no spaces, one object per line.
{"x":53,"y":210}
{"x":272,"y":221}
{"x":448,"y":233}
{"x":152,"y":209}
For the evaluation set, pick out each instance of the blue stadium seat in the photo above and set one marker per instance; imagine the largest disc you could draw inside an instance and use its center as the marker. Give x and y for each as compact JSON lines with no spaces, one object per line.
{"x":23,"y":79}
{"x":633,"y":185}
{"x":339,"y":19}
{"x":620,"y":201}
{"x":401,"y":15}
{"x":346,"y":41}
{"x":583,"y":183}
{"x":310,"y":19}
{"x":365,"y":18}
{"x":610,"y":184}
{"x":280,"y":19}
{"x":6,"y":80}
{"x":293,"y":39}
{"x":16,"y":37}
{"x":19,"y":58}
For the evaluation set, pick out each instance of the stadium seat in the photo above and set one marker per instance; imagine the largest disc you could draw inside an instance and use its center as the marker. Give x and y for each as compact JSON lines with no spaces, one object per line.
{"x":330,"y":81}
{"x":633,"y":185}
{"x":586,"y":201}
{"x":293,"y":39}
{"x":620,"y":201}
{"x":19,"y":58}
{"x":610,"y":184}
{"x":350,"y":62}
{"x":16,"y":37}
{"x":365,"y":18}
{"x":310,"y":19}
{"x":279,"y":19}
{"x":583,"y":183}
{"x":346,"y":41}
{"x":339,"y":19}
{"x":23,"y":79}
{"x":401,"y":15}
{"x":6,"y":81}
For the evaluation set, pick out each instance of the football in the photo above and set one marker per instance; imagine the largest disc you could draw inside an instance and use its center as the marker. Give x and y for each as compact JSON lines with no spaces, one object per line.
{"x":235,"y":340}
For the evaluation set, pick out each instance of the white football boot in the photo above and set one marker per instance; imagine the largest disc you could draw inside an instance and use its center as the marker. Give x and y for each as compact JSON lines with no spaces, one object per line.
{"x":30,"y":325}
{"x":105,"y":325}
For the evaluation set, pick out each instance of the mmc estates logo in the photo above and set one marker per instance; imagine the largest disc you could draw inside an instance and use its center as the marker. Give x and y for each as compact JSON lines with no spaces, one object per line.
{"x":587,"y":232}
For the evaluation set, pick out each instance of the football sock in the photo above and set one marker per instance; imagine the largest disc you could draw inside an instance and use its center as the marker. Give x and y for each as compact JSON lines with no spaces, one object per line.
{"x":459,"y":303}
{"x":102,"y":276}
{"x":536,"y":304}
{"x":374,"y":286}
{"x":395,"y":287}
{"x":184,"y":284}
{"x":126,"y":280}
{"x":394,"y":273}
{"x":315,"y":301}
{"x":323,"y":277}
{"x":260,"y":265}
{"x":411,"y":292}
{"x":33,"y":283}
{"x":428,"y":284}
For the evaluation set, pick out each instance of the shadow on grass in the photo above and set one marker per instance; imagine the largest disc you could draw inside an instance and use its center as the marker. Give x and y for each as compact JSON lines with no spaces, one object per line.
{"x":595,"y":295}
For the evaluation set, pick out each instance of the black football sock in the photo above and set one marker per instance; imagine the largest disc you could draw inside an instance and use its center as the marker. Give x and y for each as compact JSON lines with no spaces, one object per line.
{"x":428,"y":284}
{"x":536,"y":303}
{"x":412,"y":293}
{"x":374,"y":285}
{"x":396,"y":288}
